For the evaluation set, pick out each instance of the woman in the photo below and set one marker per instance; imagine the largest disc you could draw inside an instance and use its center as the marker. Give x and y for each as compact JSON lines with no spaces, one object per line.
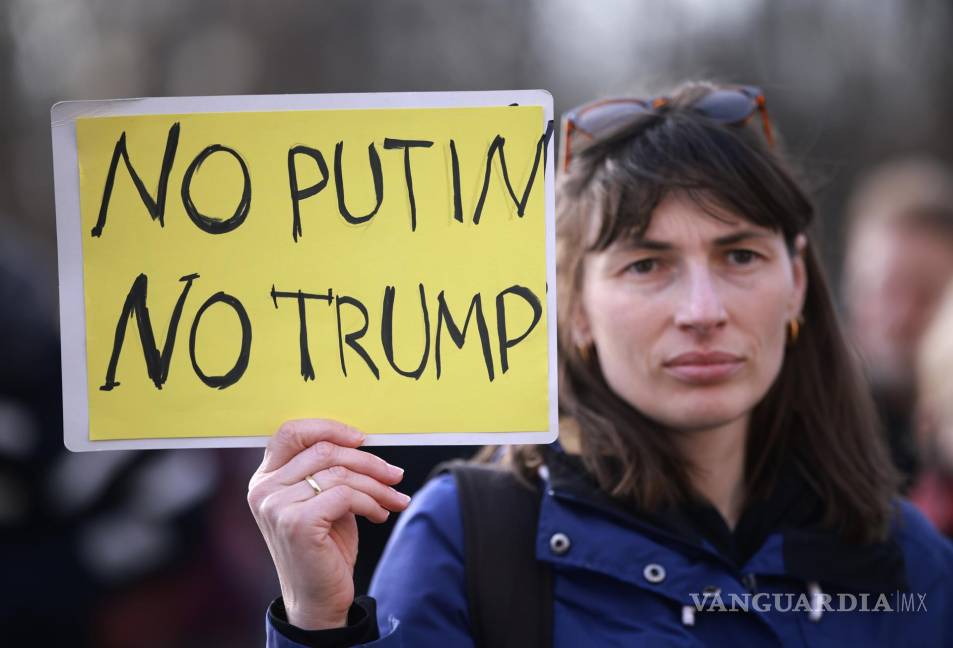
{"x":717,"y":445}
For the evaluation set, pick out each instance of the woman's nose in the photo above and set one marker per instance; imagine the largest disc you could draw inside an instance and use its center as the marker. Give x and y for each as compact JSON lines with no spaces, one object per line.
{"x":700,"y":307}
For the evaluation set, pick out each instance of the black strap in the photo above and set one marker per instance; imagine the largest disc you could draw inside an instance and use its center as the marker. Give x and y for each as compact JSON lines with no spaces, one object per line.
{"x":510,"y":593}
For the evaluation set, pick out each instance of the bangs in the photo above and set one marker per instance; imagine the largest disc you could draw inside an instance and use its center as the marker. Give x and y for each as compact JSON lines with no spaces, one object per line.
{"x":635,"y":168}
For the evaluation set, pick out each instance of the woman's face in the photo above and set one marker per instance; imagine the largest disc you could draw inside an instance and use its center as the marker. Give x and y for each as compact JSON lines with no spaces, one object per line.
{"x":689,"y":322}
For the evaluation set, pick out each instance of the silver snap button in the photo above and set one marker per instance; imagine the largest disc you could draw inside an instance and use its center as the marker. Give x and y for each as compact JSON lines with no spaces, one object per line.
{"x":559,"y":543}
{"x":654,"y":573}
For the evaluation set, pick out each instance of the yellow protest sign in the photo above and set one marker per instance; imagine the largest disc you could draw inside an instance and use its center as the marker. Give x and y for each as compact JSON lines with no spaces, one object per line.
{"x":384,"y":266}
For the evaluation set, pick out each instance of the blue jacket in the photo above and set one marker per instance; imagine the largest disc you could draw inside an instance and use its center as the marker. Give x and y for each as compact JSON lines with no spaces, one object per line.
{"x":621,"y":581}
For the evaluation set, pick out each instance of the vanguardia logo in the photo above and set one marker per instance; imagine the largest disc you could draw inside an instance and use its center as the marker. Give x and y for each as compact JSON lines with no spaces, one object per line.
{"x":790,"y":602}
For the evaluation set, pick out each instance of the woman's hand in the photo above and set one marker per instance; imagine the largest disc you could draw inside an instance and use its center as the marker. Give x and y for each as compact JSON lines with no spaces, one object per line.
{"x":312,"y":536}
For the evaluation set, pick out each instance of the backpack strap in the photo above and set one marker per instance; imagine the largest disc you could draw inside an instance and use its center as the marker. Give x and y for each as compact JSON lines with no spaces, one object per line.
{"x":510,"y":593}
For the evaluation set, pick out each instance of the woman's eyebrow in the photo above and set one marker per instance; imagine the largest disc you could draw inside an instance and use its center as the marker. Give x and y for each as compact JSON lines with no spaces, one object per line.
{"x":743,"y":235}
{"x":646,"y":244}
{"x":637,"y":243}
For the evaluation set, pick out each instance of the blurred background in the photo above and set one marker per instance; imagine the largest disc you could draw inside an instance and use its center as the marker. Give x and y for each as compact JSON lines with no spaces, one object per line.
{"x":159,"y":549}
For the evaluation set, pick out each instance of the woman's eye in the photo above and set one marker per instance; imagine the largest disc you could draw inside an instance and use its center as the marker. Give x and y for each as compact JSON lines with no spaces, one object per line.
{"x":742,"y":257}
{"x":642,"y":266}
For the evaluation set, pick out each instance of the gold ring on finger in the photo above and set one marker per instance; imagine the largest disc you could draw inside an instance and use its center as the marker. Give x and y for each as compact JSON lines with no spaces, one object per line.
{"x":313,"y":484}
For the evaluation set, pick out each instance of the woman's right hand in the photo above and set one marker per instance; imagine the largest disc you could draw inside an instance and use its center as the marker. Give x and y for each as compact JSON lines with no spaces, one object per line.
{"x":312,"y":536}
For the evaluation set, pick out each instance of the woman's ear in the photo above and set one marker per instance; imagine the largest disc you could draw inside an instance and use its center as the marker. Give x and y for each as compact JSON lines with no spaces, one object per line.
{"x":799,"y":275}
{"x":581,"y":331}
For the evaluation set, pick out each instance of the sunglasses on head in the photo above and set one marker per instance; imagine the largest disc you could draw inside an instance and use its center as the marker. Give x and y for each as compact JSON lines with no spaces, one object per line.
{"x":731,"y":106}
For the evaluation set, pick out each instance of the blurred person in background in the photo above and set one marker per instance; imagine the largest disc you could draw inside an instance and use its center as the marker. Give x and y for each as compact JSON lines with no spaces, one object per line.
{"x":899,"y":260}
{"x":932,"y":493}
{"x":109,"y":549}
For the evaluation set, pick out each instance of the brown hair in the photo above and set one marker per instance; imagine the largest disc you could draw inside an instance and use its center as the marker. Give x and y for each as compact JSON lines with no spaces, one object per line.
{"x":818,"y":411}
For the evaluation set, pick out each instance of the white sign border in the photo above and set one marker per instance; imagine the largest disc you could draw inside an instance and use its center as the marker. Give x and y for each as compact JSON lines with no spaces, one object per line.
{"x":63,"y":117}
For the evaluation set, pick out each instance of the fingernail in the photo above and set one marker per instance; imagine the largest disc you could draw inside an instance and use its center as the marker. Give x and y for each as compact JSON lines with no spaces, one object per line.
{"x":404,"y":497}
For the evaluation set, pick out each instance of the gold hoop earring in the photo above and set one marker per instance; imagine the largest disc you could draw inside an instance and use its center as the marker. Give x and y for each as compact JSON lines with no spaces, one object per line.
{"x":794,"y":329}
{"x":585,"y":352}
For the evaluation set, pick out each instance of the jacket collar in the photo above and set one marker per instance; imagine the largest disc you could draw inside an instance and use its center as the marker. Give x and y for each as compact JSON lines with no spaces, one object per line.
{"x":780,"y":535}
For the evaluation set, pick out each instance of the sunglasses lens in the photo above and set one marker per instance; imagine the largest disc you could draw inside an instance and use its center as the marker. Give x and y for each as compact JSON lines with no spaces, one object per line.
{"x":605,"y":116}
{"x":728,"y":106}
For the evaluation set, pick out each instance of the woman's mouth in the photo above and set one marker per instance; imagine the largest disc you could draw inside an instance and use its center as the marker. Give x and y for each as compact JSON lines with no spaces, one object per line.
{"x":703,"y":367}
